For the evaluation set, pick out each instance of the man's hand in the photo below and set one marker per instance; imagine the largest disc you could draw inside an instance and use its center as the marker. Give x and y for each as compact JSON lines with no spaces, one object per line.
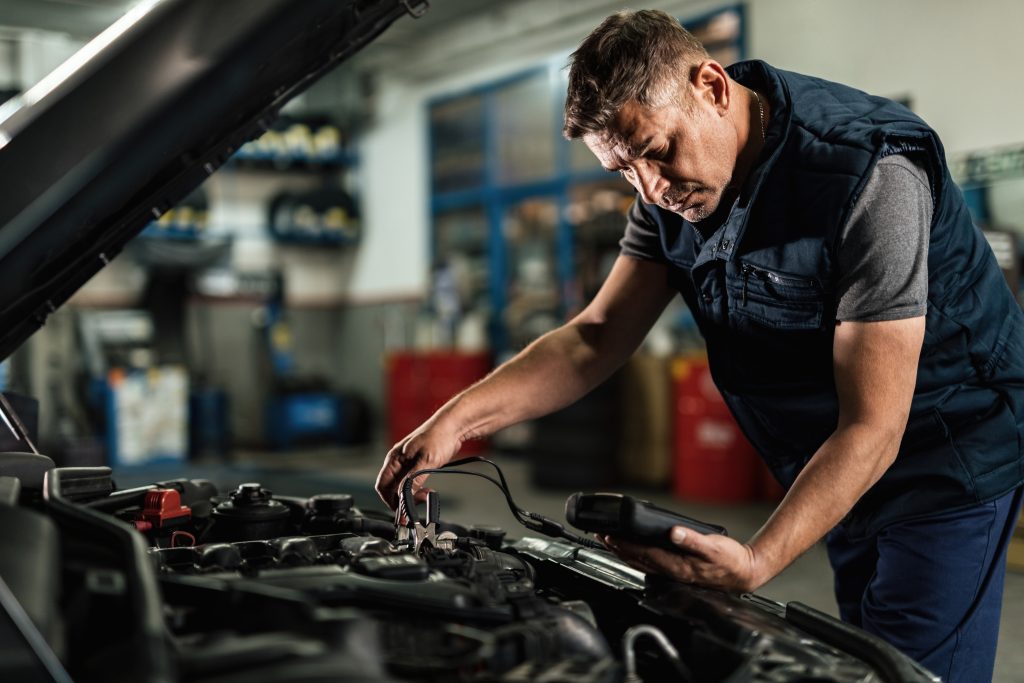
{"x":433,"y":444}
{"x":712,"y":561}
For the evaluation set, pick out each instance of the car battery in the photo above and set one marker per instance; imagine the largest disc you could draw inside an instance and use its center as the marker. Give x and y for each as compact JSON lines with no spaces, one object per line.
{"x":712,"y":459}
{"x":418,"y":383}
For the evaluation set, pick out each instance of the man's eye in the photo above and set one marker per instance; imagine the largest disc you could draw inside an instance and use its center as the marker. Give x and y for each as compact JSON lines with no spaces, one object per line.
{"x":626,"y":172}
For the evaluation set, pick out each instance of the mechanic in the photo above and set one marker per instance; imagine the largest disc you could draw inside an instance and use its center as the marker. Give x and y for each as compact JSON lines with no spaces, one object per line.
{"x":856,"y":324}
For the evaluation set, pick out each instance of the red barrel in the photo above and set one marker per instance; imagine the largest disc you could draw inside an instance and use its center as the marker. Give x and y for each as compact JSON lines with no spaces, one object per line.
{"x":420,"y":383}
{"x":712,"y":460}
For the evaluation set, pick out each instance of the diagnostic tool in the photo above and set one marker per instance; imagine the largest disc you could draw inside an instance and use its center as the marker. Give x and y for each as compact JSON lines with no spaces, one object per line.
{"x":630,"y":518}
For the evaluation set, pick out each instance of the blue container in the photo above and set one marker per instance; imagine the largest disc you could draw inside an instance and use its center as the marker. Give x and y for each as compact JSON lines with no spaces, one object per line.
{"x":209,"y":417}
{"x":303,"y":418}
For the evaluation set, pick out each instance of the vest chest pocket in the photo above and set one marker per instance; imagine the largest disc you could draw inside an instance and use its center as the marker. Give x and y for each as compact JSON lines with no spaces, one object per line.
{"x":774,"y":299}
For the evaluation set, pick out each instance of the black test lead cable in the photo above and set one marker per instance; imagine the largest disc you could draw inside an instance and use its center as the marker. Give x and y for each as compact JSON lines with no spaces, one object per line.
{"x":531,"y":520}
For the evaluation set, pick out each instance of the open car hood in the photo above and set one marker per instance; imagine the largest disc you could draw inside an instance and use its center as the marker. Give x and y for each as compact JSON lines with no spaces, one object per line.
{"x":141,"y":116}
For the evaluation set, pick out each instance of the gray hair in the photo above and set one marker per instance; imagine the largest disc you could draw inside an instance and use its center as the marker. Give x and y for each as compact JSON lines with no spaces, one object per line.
{"x":643,"y":57}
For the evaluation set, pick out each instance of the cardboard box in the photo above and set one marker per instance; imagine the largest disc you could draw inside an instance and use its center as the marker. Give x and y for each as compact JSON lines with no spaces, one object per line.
{"x":644,"y":451}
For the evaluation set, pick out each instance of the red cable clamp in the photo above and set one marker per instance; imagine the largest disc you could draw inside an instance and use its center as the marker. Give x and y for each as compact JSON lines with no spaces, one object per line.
{"x":162,"y":506}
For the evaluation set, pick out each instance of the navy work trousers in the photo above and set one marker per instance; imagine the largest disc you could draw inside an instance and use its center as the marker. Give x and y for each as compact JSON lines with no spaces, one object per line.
{"x":932,"y":587}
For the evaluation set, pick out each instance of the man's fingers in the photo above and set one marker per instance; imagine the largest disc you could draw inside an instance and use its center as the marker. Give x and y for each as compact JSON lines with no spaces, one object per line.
{"x":626,"y":549}
{"x":655,"y":563}
{"x":387,"y":484}
{"x":420,"y":450}
{"x":692,"y":542}
{"x":653,"y":560}
{"x":630,"y":553}
{"x":419,"y":492}
{"x":395,"y":473}
{"x":715,"y":561}
{"x":397,"y":464}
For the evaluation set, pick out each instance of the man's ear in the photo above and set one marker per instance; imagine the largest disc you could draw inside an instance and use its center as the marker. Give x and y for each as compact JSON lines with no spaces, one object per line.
{"x":711,"y":85}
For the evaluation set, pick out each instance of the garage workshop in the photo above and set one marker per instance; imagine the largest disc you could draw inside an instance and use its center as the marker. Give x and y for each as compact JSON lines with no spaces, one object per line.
{"x":714,"y":306}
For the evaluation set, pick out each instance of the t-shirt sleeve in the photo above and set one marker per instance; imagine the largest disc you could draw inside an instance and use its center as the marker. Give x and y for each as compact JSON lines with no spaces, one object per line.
{"x":641,"y":239}
{"x":883,"y":248}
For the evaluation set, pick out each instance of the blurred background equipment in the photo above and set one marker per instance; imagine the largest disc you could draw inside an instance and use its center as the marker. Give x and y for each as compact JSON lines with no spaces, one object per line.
{"x":302,"y":408}
{"x":139,"y":403}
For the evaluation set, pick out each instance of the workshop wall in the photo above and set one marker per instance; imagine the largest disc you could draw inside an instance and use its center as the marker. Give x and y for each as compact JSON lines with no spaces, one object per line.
{"x":956,"y":61}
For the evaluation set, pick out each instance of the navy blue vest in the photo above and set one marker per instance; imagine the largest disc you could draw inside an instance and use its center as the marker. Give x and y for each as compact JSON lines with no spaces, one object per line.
{"x":762,"y":289}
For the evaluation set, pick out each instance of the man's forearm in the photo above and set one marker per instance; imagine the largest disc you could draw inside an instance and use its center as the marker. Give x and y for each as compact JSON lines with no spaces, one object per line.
{"x":842,"y":470}
{"x":554,"y":371}
{"x":839,"y":473}
{"x":566,"y":363}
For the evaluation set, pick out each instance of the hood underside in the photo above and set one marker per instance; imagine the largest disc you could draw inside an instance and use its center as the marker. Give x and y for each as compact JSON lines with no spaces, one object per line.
{"x":140,"y":117}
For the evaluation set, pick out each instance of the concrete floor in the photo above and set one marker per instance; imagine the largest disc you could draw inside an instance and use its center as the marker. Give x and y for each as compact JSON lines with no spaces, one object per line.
{"x":469,"y":500}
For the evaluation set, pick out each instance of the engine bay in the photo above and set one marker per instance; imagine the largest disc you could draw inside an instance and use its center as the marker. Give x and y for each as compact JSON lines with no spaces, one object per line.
{"x":178,"y":581}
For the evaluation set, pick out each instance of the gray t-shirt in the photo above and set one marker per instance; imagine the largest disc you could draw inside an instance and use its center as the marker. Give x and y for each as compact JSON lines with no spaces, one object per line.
{"x":882,"y":252}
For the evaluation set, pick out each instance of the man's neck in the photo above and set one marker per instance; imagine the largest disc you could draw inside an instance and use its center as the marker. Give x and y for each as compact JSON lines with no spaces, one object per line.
{"x":752,"y":129}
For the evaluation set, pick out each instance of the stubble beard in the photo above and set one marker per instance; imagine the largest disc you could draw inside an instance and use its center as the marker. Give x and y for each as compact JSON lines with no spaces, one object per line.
{"x":705,"y":208}
{"x":727,"y":194}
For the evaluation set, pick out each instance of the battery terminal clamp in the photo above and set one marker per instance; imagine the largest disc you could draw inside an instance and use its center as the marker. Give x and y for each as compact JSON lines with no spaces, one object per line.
{"x":161,"y":508}
{"x":417,"y":533}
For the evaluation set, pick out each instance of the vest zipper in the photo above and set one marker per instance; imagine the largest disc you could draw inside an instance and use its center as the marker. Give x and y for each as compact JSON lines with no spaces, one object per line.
{"x":774,"y":278}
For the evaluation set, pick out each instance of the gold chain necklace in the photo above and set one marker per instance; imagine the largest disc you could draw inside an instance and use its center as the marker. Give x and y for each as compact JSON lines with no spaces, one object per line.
{"x":760,"y":110}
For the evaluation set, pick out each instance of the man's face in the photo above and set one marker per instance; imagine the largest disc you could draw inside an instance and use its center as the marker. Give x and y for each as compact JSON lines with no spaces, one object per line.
{"x":679,"y":158}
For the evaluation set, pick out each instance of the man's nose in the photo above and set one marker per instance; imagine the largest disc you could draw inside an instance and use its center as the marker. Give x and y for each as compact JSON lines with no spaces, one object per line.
{"x":650,"y":184}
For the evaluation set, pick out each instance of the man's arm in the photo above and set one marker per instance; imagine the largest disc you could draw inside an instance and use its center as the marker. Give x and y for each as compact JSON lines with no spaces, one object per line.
{"x":875,"y":365}
{"x":549,"y":374}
